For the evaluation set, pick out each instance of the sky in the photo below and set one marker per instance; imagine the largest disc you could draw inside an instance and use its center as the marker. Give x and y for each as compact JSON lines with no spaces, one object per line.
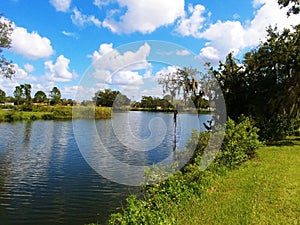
{"x":85,"y":46}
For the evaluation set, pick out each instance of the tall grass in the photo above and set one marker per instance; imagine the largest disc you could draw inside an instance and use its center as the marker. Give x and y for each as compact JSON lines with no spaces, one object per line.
{"x":56,"y":113}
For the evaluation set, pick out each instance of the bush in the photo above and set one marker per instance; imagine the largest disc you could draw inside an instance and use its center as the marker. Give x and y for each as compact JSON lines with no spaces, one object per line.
{"x":278,"y":127}
{"x":240,"y":142}
{"x":63,"y":112}
{"x":47,"y":116}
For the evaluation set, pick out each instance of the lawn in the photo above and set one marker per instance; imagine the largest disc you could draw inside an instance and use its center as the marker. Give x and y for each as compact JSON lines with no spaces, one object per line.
{"x":265,"y":190}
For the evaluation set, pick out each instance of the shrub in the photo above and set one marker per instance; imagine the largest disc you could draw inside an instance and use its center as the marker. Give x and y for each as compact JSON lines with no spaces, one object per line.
{"x":277,"y":127}
{"x":240,"y":142}
{"x":47,"y":116}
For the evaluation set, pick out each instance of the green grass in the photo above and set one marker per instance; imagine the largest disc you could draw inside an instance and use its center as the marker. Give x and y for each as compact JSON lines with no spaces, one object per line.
{"x":265,"y":190}
{"x":56,"y":113}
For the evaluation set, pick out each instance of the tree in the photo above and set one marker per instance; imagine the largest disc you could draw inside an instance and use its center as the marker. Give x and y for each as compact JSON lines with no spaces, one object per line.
{"x":108,"y":98}
{"x":266,"y":85}
{"x":19,"y":95}
{"x":40,"y":97}
{"x":147,"y":102}
{"x":232,"y":81}
{"x":294,"y":8}
{"x":55,"y":96}
{"x":27,"y":92}
{"x":190,"y":85}
{"x":6,"y":29}
{"x":2,"y":95}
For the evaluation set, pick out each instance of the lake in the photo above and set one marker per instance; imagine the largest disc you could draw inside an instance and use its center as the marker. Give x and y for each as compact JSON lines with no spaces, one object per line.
{"x":45,"y":172}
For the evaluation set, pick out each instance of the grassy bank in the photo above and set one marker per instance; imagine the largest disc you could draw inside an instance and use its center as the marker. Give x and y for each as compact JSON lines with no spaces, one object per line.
{"x":55,"y":113}
{"x":246,"y":184}
{"x":265,"y":190}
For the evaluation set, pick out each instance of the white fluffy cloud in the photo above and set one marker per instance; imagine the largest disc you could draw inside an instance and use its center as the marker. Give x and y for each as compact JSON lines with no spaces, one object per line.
{"x":122,"y":69}
{"x":31,"y":45}
{"x":192,"y":22}
{"x":61,"y":5}
{"x":112,"y":60}
{"x":59,"y":71}
{"x":143,"y":16}
{"x":128,"y":81}
{"x":233,"y":36}
{"x":80,"y":19}
{"x":210,"y":53}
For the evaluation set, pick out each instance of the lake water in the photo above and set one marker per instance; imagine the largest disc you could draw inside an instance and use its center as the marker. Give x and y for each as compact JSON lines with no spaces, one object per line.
{"x":45,"y":179}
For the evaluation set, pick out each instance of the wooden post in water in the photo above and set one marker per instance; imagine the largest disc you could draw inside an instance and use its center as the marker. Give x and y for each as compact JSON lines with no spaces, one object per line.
{"x":175,"y":128}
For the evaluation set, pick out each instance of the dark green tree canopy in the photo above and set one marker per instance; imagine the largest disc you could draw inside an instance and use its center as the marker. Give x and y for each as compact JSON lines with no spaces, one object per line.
{"x":19,"y":95}
{"x":55,"y":96}
{"x":2,"y":95}
{"x":110,"y":97}
{"x":266,"y":85}
{"x":40,"y":97}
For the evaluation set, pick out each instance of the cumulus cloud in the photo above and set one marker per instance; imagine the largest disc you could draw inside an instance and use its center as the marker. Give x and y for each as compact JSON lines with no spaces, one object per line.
{"x":81,"y":20}
{"x":192,"y":22}
{"x":232,"y":35}
{"x":61,"y":5}
{"x":122,"y":69}
{"x":126,"y":78}
{"x":210,"y":53}
{"x":59,"y":71}
{"x":31,"y":45}
{"x":142,"y":16}
{"x":112,"y":60}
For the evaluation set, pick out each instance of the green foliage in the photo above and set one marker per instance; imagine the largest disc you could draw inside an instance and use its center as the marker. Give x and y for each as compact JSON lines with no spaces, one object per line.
{"x":277,"y":127}
{"x":55,"y":113}
{"x":240,"y":142}
{"x":109,"y":98}
{"x":6,"y":29}
{"x":266,"y":85}
{"x":40,"y":97}
{"x":47,"y":116}
{"x":2,"y":95}
{"x":161,"y":200}
{"x":55,"y":96}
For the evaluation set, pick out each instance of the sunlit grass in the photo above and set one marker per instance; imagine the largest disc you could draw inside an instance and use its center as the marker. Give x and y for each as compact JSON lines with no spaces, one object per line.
{"x":265,"y":190}
{"x":56,"y":113}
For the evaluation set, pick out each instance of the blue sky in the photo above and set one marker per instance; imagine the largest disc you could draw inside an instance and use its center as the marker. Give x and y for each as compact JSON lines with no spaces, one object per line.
{"x":83,"y":46}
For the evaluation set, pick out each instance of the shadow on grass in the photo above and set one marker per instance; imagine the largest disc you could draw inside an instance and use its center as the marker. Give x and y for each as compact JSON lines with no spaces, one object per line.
{"x":290,"y":141}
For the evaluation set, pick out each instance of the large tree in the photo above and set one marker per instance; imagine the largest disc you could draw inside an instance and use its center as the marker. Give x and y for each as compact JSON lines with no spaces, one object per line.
{"x":40,"y":97}
{"x":6,"y":29}
{"x":55,"y":96}
{"x":27,"y":92}
{"x":266,"y":85}
{"x":110,"y":98}
{"x":2,"y":95}
{"x":19,"y":95}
